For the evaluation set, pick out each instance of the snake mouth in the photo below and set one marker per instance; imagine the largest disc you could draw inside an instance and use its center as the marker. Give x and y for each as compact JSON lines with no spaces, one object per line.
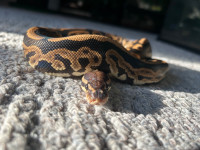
{"x":96,"y":101}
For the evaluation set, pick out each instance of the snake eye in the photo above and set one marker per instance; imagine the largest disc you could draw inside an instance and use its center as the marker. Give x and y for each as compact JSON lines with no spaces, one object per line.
{"x":86,"y":86}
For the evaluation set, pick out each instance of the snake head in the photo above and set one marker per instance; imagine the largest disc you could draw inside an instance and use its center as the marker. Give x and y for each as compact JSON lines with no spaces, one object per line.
{"x":96,"y":85}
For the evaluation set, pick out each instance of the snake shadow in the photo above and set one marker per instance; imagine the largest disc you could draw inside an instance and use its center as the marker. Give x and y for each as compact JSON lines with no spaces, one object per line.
{"x":136,"y":99}
{"x":149,"y":99}
{"x":181,"y":79}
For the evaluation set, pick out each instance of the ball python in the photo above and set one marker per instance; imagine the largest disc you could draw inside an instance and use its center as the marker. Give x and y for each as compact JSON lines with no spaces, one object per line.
{"x":96,"y":56}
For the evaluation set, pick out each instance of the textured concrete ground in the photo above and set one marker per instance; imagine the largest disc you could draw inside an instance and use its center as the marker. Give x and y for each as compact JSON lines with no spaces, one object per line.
{"x":38,"y":111}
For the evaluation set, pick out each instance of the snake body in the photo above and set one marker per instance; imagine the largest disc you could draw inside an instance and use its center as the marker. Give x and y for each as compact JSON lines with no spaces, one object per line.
{"x":76,"y":52}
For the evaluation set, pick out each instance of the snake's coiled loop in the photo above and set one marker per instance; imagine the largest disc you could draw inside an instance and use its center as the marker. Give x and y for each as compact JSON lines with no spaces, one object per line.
{"x":75,"y":52}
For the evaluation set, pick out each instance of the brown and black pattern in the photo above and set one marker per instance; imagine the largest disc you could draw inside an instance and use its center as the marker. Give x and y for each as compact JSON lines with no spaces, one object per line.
{"x":75,"y":52}
{"x":96,"y":84}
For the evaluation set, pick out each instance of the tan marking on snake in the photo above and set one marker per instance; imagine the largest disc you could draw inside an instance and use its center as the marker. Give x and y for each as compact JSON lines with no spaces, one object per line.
{"x":137,"y":46}
{"x":77,"y":32}
{"x":143,"y":41}
{"x":31,"y":34}
{"x":128,"y":69}
{"x":91,"y":88}
{"x":84,"y":37}
{"x":72,"y":56}
{"x":84,"y":80}
{"x":84,"y":89}
{"x":133,"y":48}
{"x":81,"y":37}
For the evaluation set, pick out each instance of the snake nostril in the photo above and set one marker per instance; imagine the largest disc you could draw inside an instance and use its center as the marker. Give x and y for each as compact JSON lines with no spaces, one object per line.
{"x":99,"y":94}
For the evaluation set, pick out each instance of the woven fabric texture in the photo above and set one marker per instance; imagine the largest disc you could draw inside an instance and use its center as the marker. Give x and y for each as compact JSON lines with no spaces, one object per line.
{"x":39,"y":111}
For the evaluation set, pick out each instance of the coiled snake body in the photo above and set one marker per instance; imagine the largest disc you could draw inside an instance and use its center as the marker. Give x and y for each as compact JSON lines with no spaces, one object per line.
{"x":94,"y":55}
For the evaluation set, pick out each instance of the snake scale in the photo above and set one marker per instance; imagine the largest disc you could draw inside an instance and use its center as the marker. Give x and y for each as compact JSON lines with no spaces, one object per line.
{"x":94,"y":55}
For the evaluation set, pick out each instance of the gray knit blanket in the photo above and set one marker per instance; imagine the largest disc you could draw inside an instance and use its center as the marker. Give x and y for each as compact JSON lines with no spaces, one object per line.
{"x":39,"y":111}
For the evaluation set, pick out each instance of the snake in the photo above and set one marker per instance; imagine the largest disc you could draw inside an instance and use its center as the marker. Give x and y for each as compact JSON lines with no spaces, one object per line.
{"x":95,"y":56}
